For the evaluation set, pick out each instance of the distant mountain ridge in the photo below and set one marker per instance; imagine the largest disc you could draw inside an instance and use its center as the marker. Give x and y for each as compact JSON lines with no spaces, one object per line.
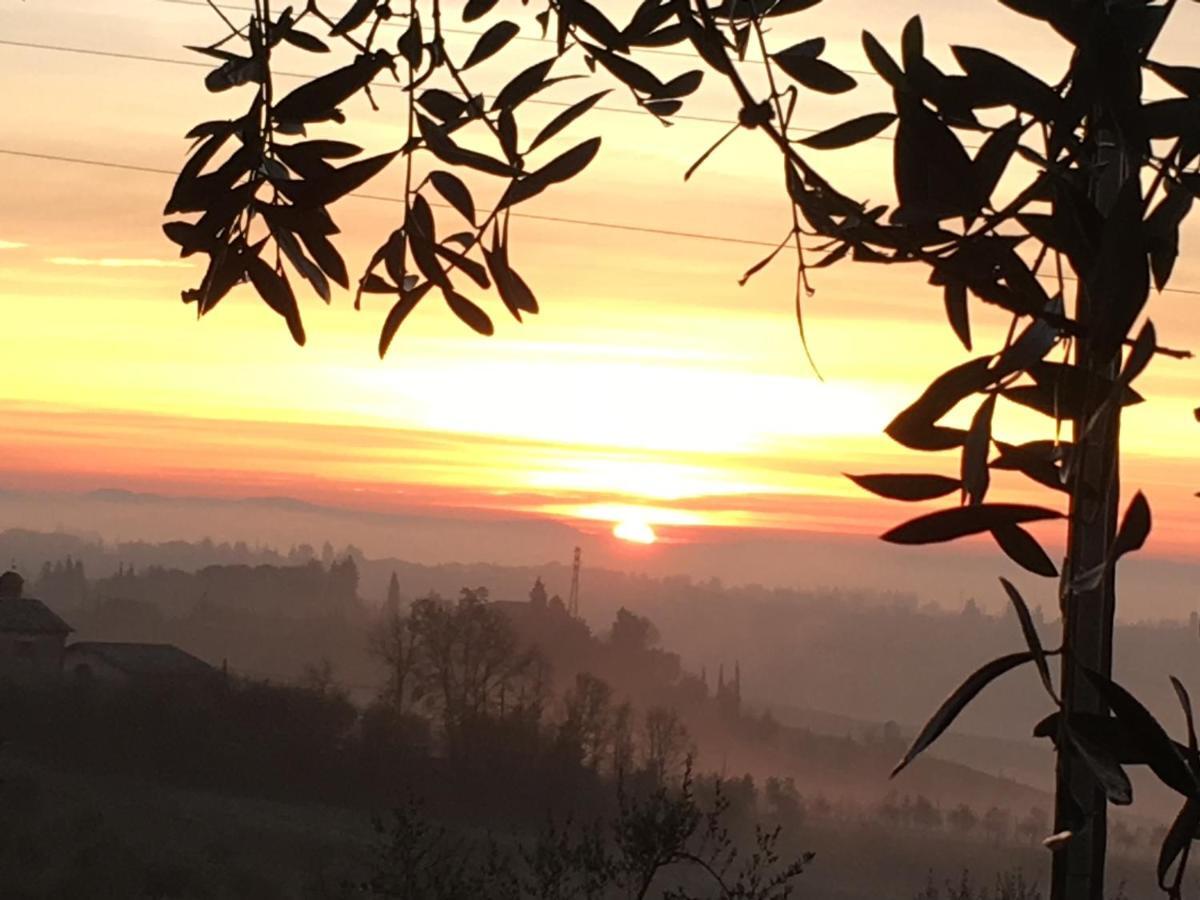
{"x":947,"y":575}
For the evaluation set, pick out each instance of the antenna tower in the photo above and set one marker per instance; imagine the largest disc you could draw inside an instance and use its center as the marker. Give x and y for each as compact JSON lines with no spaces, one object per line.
{"x":573,"y":598}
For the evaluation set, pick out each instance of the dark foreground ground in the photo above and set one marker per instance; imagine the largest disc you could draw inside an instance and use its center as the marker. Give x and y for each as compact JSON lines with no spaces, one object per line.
{"x":69,"y":836}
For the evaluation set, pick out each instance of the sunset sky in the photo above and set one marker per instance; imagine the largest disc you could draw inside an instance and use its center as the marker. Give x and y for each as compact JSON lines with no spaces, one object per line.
{"x":651,"y":388}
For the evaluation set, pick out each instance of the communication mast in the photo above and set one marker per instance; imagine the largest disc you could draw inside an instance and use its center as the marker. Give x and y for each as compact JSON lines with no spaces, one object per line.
{"x":573,"y":597}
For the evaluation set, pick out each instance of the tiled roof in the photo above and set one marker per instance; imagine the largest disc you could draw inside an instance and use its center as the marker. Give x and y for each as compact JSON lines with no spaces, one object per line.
{"x":144,"y":660}
{"x":25,"y":615}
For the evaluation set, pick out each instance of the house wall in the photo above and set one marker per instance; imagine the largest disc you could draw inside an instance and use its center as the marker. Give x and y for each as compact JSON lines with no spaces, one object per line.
{"x":80,"y":666}
{"x":31,"y":658}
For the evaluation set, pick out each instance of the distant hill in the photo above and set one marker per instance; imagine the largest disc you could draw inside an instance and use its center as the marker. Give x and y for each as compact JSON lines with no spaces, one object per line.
{"x":1027,"y":761}
{"x":850,"y":770}
{"x":946,"y":576}
{"x":872,"y":657}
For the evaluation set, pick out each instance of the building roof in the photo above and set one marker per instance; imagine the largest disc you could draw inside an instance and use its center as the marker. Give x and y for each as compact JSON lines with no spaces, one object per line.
{"x":25,"y":615}
{"x":145,"y":660}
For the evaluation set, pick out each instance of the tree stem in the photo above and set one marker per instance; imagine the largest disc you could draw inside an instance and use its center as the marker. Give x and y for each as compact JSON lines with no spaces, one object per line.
{"x":1088,"y":612}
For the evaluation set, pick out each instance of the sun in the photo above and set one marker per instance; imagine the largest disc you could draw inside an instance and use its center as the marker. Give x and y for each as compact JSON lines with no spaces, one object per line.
{"x":637,"y":531}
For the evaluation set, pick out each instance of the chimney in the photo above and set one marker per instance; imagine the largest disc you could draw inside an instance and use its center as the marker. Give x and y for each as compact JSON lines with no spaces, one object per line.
{"x":11,"y":585}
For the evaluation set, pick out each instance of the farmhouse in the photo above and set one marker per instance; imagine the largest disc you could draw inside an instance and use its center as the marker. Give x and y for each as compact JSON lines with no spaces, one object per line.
{"x":122,"y":663}
{"x":31,"y":635}
{"x":34,"y":652}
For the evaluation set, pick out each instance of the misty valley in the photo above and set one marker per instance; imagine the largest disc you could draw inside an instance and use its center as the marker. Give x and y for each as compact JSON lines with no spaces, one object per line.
{"x":348,"y":726}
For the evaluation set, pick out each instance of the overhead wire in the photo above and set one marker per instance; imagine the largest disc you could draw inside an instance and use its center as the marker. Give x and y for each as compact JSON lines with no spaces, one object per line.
{"x":563,"y":220}
{"x":560,"y":104}
{"x":193,"y":63}
{"x":537,"y":217}
{"x":614,"y":226}
{"x":467,"y":32}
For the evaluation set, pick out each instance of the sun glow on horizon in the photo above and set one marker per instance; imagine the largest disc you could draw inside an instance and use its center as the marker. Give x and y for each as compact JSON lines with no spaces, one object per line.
{"x":636,"y":531}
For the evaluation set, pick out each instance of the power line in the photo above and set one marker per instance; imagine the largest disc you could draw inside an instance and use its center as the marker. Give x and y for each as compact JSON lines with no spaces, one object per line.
{"x":50,"y":157}
{"x":111,"y":54}
{"x":653,"y":51}
{"x":163,"y":60}
{"x":561,"y":220}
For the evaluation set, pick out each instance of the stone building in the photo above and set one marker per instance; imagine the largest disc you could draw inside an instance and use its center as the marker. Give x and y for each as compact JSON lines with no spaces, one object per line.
{"x":34,"y":652}
{"x":32,"y":637}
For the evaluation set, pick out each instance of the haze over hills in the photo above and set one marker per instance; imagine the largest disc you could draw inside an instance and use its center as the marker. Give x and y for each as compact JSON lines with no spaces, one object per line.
{"x":266,"y":619}
{"x":947,"y":575}
{"x":832,"y":681}
{"x":800,"y":649}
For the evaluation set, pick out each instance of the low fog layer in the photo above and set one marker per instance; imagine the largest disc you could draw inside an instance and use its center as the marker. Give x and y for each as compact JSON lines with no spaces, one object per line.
{"x":1153,"y":587}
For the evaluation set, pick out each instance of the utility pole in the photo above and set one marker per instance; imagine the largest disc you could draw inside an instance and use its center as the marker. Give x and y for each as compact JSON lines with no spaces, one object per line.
{"x":1088,"y":609}
{"x":573,"y":597}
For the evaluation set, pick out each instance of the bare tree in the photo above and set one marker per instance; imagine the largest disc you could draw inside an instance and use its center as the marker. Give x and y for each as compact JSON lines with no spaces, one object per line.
{"x":665,"y":742}
{"x":621,"y":747}
{"x":469,"y":665}
{"x":962,"y":819}
{"x":588,"y":718}
{"x":663,"y":841}
{"x":394,"y":641}
{"x":997,"y":823}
